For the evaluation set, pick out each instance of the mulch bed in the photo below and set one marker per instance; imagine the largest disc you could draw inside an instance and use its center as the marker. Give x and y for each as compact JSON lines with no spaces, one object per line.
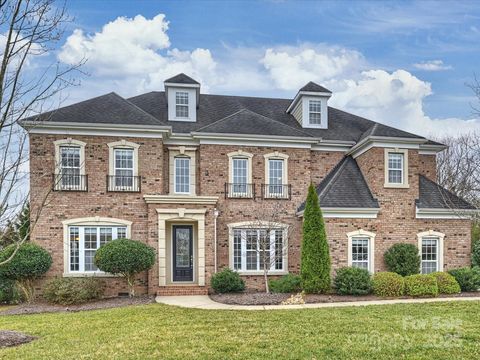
{"x":14,"y":338}
{"x":276,"y":299}
{"x":40,"y":307}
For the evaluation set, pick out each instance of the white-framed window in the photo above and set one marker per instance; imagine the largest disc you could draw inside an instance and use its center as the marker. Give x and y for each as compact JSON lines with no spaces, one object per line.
{"x":123,"y":167}
{"x":70,"y":165}
{"x":361,"y":249}
{"x":252,"y":248}
{"x":396,"y":168}
{"x":182,"y":175}
{"x":275,"y":176}
{"x":430,"y":246}
{"x":240,"y":177}
{"x":315,"y":112}
{"x":181,"y":104}
{"x":84,"y":241}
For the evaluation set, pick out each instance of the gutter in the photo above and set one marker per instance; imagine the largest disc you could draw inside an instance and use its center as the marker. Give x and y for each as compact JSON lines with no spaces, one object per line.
{"x":347,"y":213}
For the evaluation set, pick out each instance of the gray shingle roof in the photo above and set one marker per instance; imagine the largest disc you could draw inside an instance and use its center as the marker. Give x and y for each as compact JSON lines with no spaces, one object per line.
{"x":345,"y":187}
{"x":313,"y":87}
{"x":182,"y":79}
{"x":433,"y":196}
{"x":248,"y":122}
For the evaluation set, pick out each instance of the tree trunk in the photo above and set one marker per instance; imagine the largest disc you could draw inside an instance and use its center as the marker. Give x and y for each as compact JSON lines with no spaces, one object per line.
{"x":265,"y":276}
{"x":131,"y":285}
{"x":26,"y":286}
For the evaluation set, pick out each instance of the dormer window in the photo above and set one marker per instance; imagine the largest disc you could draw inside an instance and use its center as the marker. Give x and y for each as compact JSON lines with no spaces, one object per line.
{"x":315,"y":112}
{"x":181,"y":104}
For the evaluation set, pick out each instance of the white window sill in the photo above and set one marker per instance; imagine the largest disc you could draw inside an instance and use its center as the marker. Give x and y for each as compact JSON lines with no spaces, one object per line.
{"x":89,"y":274}
{"x":255,"y":272}
{"x":396,"y":186}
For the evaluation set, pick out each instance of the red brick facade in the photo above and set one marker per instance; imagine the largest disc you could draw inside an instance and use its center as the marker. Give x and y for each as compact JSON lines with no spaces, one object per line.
{"x":396,"y":220}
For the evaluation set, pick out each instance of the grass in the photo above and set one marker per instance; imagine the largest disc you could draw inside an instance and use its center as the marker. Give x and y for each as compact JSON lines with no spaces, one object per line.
{"x":420,"y":331}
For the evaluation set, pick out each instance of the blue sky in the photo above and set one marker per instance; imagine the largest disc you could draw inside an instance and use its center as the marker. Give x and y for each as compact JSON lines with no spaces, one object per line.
{"x":419,"y":55}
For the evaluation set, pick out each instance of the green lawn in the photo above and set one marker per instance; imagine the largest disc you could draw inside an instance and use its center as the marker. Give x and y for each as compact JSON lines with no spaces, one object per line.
{"x":420,"y":331}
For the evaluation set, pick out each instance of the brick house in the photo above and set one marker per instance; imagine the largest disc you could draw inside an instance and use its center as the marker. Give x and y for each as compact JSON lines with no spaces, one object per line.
{"x":188,"y":173}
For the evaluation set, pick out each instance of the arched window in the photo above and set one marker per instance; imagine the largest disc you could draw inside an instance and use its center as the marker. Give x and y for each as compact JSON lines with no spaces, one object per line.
{"x":361,"y":249}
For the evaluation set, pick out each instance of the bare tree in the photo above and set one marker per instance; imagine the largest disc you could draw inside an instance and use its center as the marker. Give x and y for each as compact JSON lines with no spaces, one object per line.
{"x":31,"y":80}
{"x":266,"y":240}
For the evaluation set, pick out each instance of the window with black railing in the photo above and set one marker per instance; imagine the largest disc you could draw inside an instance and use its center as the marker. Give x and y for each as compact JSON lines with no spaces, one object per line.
{"x":276,"y":191}
{"x":239,"y":191}
{"x":70,"y":181}
{"x":126,"y":183}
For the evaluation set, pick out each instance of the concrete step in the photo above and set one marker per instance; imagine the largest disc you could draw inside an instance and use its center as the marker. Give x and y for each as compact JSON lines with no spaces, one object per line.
{"x":176,"y":290}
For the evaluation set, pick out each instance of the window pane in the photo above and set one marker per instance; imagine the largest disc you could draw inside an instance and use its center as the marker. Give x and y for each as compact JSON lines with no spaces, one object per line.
{"x":315,"y":110}
{"x":70,"y":166}
{"x":74,"y":249}
{"x":182,"y":175}
{"x":279,"y":251}
{"x":429,"y":255}
{"x":360,"y":252}
{"x":251,"y":245}
{"x":121,"y":233}
{"x":181,"y":104}
{"x":240,"y":175}
{"x":395,"y":168}
{"x":237,"y":249}
{"x":105,"y":235}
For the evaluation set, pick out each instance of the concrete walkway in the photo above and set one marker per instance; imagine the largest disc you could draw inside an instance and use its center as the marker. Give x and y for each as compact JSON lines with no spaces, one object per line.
{"x":204,"y":302}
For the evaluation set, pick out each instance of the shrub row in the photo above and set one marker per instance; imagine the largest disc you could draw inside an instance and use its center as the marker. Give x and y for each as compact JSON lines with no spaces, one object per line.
{"x":68,"y":291}
{"x":467,"y":278}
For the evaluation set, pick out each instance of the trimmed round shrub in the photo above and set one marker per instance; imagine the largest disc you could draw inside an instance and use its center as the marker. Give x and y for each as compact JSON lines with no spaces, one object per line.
{"x":446,"y":283}
{"x":29,"y":263}
{"x":353,"y":281}
{"x":289,"y":283}
{"x":125,"y":257}
{"x":388,"y":284}
{"x":467,"y":278}
{"x":68,"y":291}
{"x":403,"y":259}
{"x":227,"y":281}
{"x":476,"y":253}
{"x":421,"y":285}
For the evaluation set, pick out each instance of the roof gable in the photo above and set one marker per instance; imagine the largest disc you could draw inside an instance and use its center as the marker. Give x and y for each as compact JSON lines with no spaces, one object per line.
{"x":313,"y":87}
{"x":182,"y":79}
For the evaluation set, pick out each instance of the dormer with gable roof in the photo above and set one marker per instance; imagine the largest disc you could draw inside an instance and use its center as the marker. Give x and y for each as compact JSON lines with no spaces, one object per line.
{"x":183,"y":95}
{"x":309,"y":107}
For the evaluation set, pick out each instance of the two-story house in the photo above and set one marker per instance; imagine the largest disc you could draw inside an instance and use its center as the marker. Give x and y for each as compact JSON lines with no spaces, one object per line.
{"x":189,"y":173}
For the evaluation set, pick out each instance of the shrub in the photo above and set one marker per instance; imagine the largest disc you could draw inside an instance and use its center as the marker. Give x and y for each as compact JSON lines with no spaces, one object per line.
{"x":289,"y":283}
{"x":403,"y":259}
{"x":125,"y":257}
{"x":8,"y":292}
{"x":227,"y":281}
{"x":353,"y":281}
{"x":68,"y":291}
{"x":315,"y":262}
{"x":29,"y":263}
{"x":446,"y":283}
{"x":476,"y":253}
{"x":388,"y":284}
{"x":467,"y":278}
{"x":421,"y":285}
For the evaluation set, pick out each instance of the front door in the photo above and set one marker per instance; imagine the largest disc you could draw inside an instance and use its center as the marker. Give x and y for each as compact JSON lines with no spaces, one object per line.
{"x":182,"y":253}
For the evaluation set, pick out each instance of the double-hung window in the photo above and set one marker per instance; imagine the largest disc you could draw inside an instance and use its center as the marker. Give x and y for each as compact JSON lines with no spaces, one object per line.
{"x":361,"y":252}
{"x":84,"y":242}
{"x":182,"y":175}
{"x":430,"y":254}
{"x":123,"y":168}
{"x":395,"y":168}
{"x":181,"y":104}
{"x":239,"y":176}
{"x":315,"y":112}
{"x":70,"y":165}
{"x":275,"y":177}
{"x":255,"y":248}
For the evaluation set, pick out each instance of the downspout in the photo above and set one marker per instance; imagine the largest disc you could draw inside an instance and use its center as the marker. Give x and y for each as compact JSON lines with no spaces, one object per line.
{"x":215,"y":216}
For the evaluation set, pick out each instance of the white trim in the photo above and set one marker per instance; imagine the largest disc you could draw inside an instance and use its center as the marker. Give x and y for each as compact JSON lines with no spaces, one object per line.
{"x":240,"y":154}
{"x":69,"y":142}
{"x":425,"y":213}
{"x":171,"y":92}
{"x":348,"y":213}
{"x":180,"y":199}
{"x":308,"y":93}
{"x":441,"y":237}
{"x":276,"y":156}
{"x":404,"y":184}
{"x":371,"y":247}
{"x":170,"y":84}
{"x":122,"y":144}
{"x":385,"y":141}
{"x":189,"y":152}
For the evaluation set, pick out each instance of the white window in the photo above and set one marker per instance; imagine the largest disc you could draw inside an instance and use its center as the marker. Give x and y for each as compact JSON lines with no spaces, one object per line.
{"x":275,"y":176}
{"x":84,"y":242}
{"x":182,"y":175}
{"x":123,"y":168}
{"x":181,"y":104}
{"x":315,"y":112}
{"x":239,"y":176}
{"x":430,"y":251}
{"x":70,"y":165}
{"x":396,"y":168}
{"x":361,"y":249}
{"x":252,"y":248}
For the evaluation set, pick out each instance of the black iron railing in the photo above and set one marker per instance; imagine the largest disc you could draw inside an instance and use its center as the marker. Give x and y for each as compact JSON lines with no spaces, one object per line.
{"x":278,"y":192}
{"x":70,"y":182}
{"x":239,"y":191}
{"x":124,"y":183}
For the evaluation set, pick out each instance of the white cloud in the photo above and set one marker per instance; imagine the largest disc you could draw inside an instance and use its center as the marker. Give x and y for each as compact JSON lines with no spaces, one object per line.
{"x":432,"y":65}
{"x":135,"y":55}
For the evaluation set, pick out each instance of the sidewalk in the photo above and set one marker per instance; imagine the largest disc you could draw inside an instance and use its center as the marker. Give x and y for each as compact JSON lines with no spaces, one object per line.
{"x":204,"y":302}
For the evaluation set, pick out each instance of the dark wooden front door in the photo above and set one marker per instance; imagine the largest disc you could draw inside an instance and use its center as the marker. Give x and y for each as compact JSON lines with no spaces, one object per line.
{"x":182,"y":253}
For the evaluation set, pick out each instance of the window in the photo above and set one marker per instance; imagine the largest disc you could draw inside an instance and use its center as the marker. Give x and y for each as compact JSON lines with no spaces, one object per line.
{"x":181,"y":104}
{"x":275,"y":176}
{"x":123,"y":168}
{"x":361,"y":249}
{"x":84,"y":242}
{"x":429,"y":255}
{"x":239,"y":183}
{"x":182,"y":175}
{"x":239,"y":175}
{"x":396,"y":168}
{"x":253,"y":247}
{"x":315,"y":112}
{"x":70,"y":165}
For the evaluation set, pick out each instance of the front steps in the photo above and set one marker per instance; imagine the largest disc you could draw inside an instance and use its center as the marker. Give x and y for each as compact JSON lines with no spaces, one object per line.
{"x":178,"y":290}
